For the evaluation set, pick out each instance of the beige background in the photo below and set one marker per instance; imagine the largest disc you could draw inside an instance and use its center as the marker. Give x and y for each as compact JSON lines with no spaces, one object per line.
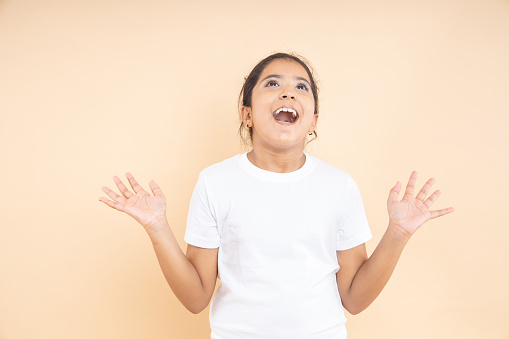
{"x":92,"y":89}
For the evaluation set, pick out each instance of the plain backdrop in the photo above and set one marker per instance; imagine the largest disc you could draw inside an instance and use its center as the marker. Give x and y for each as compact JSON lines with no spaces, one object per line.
{"x":92,"y":89}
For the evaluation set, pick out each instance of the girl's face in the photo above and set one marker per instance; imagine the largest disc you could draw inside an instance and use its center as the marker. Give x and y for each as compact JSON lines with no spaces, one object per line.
{"x":282,"y":106}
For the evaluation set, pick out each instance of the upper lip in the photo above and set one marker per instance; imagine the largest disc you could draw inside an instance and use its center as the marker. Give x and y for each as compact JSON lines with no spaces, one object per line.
{"x":286,"y":106}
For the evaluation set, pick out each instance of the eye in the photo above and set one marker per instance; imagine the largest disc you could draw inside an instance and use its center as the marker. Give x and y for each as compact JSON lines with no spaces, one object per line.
{"x":272,"y":83}
{"x":302,"y":86}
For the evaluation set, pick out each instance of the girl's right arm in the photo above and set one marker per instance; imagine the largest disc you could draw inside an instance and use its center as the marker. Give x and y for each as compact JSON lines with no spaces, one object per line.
{"x":192,"y":277}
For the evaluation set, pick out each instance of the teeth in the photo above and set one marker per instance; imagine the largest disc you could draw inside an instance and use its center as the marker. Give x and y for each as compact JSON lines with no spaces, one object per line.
{"x":284,"y":109}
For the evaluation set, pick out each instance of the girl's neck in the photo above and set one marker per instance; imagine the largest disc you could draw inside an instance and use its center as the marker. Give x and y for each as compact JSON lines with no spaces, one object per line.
{"x":279,"y":162}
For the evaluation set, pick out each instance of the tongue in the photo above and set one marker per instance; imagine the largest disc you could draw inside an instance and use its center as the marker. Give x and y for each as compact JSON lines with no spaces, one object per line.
{"x":284,"y":117}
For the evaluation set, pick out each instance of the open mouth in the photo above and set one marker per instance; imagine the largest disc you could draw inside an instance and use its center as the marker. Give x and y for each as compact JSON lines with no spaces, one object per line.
{"x":285,"y":115}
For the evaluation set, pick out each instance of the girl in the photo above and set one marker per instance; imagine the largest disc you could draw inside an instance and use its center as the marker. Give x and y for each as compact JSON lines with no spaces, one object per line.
{"x":282,"y":230}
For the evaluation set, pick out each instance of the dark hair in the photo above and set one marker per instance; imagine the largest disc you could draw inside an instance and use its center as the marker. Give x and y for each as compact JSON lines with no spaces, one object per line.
{"x":252,"y":79}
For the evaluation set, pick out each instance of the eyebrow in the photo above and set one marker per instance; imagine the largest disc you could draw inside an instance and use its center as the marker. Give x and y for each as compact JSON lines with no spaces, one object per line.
{"x":279,"y":77}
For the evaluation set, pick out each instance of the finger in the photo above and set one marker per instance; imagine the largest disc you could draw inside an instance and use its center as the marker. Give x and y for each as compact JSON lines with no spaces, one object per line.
{"x":394,"y":193}
{"x":431,"y":199}
{"x":411,"y":184}
{"x":125,"y":192}
{"x":439,"y":213}
{"x":155,"y":189}
{"x":134,"y":184}
{"x":112,"y":204}
{"x":424,"y":191}
{"x":113,"y":195}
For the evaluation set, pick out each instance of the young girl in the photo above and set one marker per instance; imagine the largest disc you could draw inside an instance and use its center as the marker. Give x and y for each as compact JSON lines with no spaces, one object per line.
{"x":282,"y":230}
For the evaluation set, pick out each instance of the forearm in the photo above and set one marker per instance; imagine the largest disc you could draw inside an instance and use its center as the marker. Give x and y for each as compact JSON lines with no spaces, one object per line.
{"x":375,"y":272}
{"x":179,"y":272}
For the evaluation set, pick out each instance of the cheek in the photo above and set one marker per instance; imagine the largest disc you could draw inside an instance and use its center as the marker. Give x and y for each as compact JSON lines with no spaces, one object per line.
{"x":310,"y":106}
{"x":262,"y":107}
{"x":259,"y":102}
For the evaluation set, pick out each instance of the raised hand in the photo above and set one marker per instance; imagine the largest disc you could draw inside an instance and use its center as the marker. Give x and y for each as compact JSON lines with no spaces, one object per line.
{"x":411,"y":212}
{"x":148,"y":210}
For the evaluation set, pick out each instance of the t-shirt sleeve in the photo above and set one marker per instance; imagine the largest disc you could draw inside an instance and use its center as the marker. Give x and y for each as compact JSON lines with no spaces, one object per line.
{"x":201,"y":229}
{"x":355,"y":229}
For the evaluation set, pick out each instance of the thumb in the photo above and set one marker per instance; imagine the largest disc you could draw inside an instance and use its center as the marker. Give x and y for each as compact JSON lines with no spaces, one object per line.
{"x":155,"y":188}
{"x":393,"y":195}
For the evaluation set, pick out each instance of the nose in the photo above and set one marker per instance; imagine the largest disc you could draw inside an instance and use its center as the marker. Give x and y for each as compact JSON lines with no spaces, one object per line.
{"x":287,"y":93}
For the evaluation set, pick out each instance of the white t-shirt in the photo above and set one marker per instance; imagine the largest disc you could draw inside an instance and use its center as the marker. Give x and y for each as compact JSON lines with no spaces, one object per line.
{"x":277,"y":234}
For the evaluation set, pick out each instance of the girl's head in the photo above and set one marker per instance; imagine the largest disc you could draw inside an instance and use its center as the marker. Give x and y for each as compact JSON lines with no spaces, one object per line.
{"x":279,"y":101}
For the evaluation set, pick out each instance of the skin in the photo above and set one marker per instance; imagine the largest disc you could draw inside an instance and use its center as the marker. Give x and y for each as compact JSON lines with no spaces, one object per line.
{"x":278,"y":148}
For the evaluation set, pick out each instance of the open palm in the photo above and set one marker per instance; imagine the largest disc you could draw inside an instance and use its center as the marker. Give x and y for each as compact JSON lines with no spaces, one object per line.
{"x":145,"y":208}
{"x":411,"y":212}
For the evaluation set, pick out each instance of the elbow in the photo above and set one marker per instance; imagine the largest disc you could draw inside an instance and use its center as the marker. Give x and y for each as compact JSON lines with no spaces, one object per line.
{"x":195,"y":309}
{"x":196,"y":304}
{"x":353,"y":308}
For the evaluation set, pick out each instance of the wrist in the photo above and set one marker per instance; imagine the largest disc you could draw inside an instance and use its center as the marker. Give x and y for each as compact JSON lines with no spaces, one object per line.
{"x":398,"y":234}
{"x":157,"y":226}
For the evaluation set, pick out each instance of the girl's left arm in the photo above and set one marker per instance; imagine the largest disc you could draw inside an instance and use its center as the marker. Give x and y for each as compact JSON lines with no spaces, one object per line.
{"x":360,"y":280}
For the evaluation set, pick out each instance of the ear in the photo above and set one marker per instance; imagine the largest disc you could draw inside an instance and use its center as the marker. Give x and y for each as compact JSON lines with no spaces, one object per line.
{"x":313,"y":124}
{"x":245,"y":113}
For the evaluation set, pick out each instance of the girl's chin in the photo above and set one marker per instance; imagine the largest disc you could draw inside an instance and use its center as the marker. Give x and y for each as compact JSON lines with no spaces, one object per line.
{"x":282,"y":143}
